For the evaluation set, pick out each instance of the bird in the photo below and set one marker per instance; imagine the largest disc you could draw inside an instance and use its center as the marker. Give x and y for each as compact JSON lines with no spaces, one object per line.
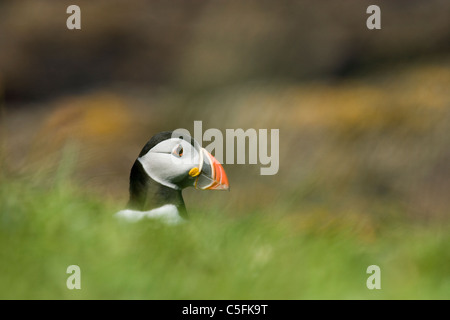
{"x":167,"y":164}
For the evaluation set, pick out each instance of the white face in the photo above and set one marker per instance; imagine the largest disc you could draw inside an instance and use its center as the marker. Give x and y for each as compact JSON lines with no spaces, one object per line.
{"x":170,"y":161}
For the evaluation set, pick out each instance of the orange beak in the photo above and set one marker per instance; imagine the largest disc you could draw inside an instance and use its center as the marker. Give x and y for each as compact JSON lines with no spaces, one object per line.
{"x":212,"y":176}
{"x":219,"y":176}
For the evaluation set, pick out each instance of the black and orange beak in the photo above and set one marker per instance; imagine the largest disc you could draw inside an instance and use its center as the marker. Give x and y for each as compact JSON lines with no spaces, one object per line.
{"x":212,"y":175}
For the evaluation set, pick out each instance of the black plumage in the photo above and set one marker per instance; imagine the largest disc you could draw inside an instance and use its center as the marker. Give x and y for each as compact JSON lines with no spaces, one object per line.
{"x":146,"y":193}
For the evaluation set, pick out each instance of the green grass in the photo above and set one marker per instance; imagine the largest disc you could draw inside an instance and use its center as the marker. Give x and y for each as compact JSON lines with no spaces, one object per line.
{"x":45,"y":227}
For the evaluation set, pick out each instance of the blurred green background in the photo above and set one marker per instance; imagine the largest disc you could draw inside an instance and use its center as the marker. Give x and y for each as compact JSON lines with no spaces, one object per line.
{"x":364,"y":120}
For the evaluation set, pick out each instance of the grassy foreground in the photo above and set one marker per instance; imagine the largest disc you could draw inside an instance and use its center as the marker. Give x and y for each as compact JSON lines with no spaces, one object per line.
{"x":259,"y":255}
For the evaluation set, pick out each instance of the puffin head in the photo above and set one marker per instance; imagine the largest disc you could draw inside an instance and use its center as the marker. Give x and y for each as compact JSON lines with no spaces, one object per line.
{"x":179,"y":162}
{"x":167,"y":164}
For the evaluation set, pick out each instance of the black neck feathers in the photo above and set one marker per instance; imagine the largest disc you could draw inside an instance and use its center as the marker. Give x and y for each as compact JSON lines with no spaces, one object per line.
{"x":147,"y":194}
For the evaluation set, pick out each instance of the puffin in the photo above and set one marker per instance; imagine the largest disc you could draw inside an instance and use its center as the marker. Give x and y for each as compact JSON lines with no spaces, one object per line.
{"x":168,"y":163}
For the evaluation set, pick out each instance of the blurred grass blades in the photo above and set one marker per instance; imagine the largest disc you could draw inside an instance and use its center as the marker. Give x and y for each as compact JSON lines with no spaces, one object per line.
{"x":258,"y":255}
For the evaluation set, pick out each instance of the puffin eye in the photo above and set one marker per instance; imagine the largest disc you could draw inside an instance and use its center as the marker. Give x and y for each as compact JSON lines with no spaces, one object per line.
{"x":178,"y":151}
